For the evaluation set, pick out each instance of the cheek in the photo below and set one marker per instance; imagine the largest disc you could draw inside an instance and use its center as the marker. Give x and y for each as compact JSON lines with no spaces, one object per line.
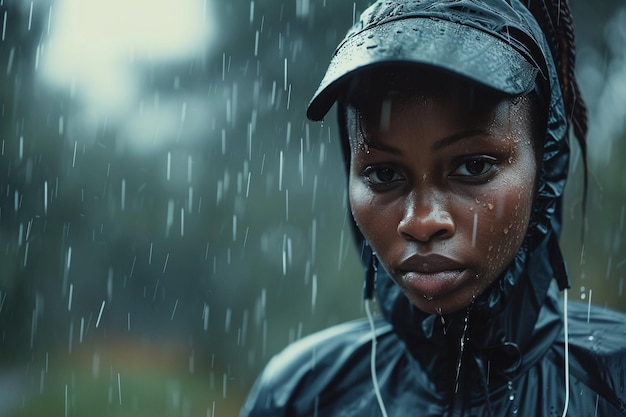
{"x":507,"y":213}
{"x":359,"y":200}
{"x":368,"y":214}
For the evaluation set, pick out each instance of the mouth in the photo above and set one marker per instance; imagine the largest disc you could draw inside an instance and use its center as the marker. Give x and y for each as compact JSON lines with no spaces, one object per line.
{"x":431,"y":275}
{"x":435,"y":284}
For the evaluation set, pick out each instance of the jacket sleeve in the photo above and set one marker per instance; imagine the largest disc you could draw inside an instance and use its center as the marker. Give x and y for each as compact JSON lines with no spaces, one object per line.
{"x":294,"y":380}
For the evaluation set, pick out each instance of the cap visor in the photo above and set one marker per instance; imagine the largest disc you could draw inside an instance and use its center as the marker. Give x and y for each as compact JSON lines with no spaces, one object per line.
{"x":460,"y":49}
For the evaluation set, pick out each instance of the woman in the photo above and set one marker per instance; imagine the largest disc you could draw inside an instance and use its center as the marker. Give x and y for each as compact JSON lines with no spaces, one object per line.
{"x":454,"y":118}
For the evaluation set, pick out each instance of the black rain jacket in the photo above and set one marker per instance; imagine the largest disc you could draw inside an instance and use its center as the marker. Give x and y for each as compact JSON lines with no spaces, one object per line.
{"x":508,"y":356}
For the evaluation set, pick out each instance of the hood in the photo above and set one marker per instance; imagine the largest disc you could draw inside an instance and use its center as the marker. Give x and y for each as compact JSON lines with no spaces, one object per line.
{"x":505,"y":315}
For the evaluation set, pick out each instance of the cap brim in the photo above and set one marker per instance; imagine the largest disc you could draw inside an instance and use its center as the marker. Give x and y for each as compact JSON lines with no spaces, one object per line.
{"x":453,"y":47}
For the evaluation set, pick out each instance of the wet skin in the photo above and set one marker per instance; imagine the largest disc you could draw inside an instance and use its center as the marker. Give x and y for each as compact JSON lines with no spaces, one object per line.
{"x":443,"y":194}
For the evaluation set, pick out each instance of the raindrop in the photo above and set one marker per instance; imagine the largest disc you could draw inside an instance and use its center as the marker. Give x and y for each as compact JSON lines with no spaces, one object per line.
{"x":30,"y":16}
{"x":123,"y":196}
{"x":301,"y":162}
{"x":512,"y":397}
{"x":289,"y":97}
{"x":273,"y":96}
{"x":474,"y":227}
{"x":100,"y":314}
{"x":170,"y":217}
{"x":82,"y":330}
{"x":67,"y":404}
{"x":169,"y":165}
{"x":205,"y":317}
{"x":248,"y":185}
{"x":589,"y":306}
{"x":285,"y":76}
{"x":313,"y":238}
{"x":313,"y":292}
{"x":25,"y":254}
{"x":280,"y":171}
{"x":4,"y":30}
{"x":227,"y":320}
{"x":461,"y":350}
{"x":167,"y":258}
{"x":174,"y":310}
{"x":287,"y":205}
{"x":110,"y":284}
{"x":119,"y":387}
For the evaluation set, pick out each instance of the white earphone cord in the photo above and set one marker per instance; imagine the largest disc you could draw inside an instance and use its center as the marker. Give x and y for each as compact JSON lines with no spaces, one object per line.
{"x":566,"y":335}
{"x":379,"y":397}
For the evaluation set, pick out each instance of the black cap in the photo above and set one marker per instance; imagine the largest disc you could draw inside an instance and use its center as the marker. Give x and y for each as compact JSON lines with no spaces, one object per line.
{"x":490,"y":44}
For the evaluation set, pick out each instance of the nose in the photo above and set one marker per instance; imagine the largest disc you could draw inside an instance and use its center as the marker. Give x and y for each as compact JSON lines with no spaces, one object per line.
{"x":426,"y":218}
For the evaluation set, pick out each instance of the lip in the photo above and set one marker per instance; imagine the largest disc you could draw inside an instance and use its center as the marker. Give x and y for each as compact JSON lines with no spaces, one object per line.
{"x":431,"y":275}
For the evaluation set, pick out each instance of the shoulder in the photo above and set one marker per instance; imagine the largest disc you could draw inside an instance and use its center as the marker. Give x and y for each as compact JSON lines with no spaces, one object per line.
{"x":598,"y":330}
{"x":304,"y":369}
{"x":597,"y":341}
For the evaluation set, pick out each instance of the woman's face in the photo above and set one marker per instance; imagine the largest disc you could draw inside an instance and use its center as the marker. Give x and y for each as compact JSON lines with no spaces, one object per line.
{"x":442,"y":190}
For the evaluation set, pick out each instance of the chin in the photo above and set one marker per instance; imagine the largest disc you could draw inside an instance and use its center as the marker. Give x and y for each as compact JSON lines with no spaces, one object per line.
{"x":442,"y":305}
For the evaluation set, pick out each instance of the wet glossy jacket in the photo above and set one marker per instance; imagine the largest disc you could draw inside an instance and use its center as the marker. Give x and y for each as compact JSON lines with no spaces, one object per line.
{"x":328,"y":374}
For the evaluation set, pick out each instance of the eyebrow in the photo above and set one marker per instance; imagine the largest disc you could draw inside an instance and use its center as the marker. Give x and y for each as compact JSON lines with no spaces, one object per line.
{"x":440,"y":144}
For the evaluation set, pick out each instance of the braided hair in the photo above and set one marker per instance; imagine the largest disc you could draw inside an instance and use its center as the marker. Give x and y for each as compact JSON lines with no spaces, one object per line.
{"x":555,"y":18}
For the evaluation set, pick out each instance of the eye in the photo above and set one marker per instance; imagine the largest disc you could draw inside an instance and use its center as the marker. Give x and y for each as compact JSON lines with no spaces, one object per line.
{"x":381,"y":175}
{"x":475,"y":167}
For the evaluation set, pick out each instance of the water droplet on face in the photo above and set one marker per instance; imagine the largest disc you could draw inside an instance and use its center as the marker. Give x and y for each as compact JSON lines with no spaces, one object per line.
{"x":490,"y":206}
{"x":506,"y":230}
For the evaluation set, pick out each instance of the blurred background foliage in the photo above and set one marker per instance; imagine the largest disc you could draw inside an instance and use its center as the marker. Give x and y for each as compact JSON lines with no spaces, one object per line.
{"x":169,"y":219}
